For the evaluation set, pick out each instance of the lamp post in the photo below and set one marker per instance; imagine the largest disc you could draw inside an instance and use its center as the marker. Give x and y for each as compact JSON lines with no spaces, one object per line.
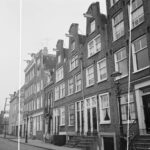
{"x":26,"y":137}
{"x":118,"y":93}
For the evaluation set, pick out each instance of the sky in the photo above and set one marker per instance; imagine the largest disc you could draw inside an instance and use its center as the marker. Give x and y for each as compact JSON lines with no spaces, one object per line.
{"x":42,"y":23}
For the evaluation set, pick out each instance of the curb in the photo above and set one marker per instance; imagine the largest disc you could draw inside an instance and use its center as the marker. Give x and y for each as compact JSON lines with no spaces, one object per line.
{"x":29,"y":144}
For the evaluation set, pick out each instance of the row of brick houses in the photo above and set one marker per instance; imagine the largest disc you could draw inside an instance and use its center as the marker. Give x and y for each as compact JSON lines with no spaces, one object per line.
{"x":84,"y":98}
{"x":82,"y":93}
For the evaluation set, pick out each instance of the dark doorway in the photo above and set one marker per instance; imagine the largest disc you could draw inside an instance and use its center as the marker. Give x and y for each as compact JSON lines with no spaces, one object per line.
{"x":146,"y":104}
{"x":108,"y":143}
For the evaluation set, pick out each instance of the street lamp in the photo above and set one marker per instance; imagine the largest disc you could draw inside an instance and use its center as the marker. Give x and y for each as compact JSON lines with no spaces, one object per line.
{"x":118,"y":93}
{"x":26,"y":136}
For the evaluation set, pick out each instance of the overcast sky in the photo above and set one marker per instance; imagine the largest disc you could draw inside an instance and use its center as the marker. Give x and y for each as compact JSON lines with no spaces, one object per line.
{"x":43,"y":23}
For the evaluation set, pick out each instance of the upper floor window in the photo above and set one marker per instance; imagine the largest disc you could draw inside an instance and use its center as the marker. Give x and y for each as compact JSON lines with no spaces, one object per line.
{"x":73,"y":45}
{"x":71,"y":109}
{"x":62,"y":90}
{"x":94,"y":46}
{"x":62,"y":116}
{"x":118,"y":26}
{"x":140,"y":54}
{"x":124,"y":108}
{"x":57,"y":93}
{"x":90,"y":76}
{"x":59,"y":74}
{"x":102,"y":70}
{"x":92,"y":26}
{"x":104,"y":108}
{"x":121,"y":62}
{"x":74,"y":62}
{"x":70,"y":86}
{"x":137,"y":13}
{"x":59,"y":59}
{"x":78,"y":82}
{"x":112,"y":2}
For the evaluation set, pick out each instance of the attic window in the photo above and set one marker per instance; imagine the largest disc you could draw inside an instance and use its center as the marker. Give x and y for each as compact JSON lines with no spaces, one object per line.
{"x":92,"y":26}
{"x":59,"y":59}
{"x":73,"y":45}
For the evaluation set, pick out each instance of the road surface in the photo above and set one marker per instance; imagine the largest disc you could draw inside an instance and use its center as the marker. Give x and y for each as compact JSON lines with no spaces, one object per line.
{"x":5,"y":144}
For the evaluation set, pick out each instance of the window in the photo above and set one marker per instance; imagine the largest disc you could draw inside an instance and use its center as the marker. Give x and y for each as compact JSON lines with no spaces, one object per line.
{"x":59,"y":59}
{"x":74,"y":62}
{"x":94,"y":46}
{"x":104,"y":108}
{"x":140,"y":53}
{"x":124,"y":107}
{"x":78,"y":82}
{"x":73,"y":45}
{"x":59,"y":74}
{"x":62,"y":90}
{"x":137,"y":13}
{"x":118,"y":26}
{"x":92,"y":26}
{"x":70,"y":86}
{"x":71,"y":109}
{"x":62,"y":116}
{"x":112,"y":2}
{"x":102,"y":70}
{"x":90,"y":76}
{"x":57,"y":93}
{"x":121,"y":62}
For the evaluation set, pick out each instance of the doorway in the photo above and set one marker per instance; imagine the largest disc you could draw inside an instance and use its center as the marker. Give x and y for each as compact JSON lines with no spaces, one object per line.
{"x":146,"y":106}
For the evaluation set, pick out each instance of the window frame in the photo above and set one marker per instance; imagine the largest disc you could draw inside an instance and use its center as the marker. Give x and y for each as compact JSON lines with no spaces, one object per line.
{"x":71,"y":114}
{"x":87,"y":76}
{"x":135,"y":64}
{"x":100,"y":109}
{"x":98,"y":70}
{"x":70,"y":86}
{"x":118,"y":61}
{"x":92,"y":26}
{"x":115,"y":25}
{"x":93,"y":51}
{"x":77,"y":81}
{"x":59,"y":74}
{"x":74,"y":62}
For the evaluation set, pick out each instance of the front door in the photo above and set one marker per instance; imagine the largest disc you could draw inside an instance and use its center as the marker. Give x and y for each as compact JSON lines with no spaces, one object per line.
{"x":146,"y":104}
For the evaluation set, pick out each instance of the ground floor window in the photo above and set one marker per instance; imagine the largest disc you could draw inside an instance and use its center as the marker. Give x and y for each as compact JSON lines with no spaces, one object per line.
{"x":108,"y":143}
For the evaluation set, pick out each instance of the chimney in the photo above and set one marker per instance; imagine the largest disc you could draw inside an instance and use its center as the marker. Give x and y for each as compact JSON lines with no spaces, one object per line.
{"x":60,"y":44}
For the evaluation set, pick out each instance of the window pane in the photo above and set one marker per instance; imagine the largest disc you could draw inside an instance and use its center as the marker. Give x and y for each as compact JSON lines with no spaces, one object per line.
{"x":142,"y":59}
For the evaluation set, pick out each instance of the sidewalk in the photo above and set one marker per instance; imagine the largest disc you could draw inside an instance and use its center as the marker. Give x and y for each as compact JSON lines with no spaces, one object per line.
{"x":38,"y":143}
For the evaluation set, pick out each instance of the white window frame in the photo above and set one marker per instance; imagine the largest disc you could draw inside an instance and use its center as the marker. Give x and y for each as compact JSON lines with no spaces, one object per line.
{"x":88,"y":84}
{"x":118,"y":61}
{"x":135,"y":65}
{"x":131,"y":103}
{"x":74,"y":62}
{"x":100,"y":107}
{"x":70,"y":113}
{"x":70,"y":86}
{"x":59,"y":74}
{"x":59,"y":59}
{"x":62,"y":90}
{"x":99,"y":70}
{"x":92,"y":26}
{"x":112,"y":2}
{"x":136,"y":7}
{"x":57,"y":93}
{"x":95,"y":48}
{"x":62,"y":116}
{"x":73,"y":45}
{"x":118,"y":25}
{"x":78,"y":82}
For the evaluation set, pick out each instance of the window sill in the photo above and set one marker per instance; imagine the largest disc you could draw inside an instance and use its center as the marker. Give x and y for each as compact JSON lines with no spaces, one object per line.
{"x":87,"y":86}
{"x":70,"y":94}
{"x":77,"y":91}
{"x":137,"y":26}
{"x":73,"y":69}
{"x":102,"y":80}
{"x":103,"y":123}
{"x":62,"y":125}
{"x":141,"y":70}
{"x":121,"y":77}
{"x":70,"y":125}
{"x":126,"y":122}
{"x":94,"y":54}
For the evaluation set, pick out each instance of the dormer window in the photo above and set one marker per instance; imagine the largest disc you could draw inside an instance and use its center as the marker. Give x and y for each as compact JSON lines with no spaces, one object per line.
{"x":59,"y":59}
{"x":73,"y":45}
{"x":92,"y":26}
